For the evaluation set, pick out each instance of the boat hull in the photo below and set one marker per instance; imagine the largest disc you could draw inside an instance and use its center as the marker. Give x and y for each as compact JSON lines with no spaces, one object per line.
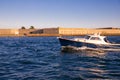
{"x":68,"y":42}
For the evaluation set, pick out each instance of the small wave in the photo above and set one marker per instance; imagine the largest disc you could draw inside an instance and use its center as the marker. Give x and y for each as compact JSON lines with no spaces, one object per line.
{"x":87,"y":49}
{"x":80,"y":49}
{"x":110,"y":49}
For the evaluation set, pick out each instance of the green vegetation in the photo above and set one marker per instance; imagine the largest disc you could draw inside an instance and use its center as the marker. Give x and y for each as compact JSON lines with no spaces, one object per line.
{"x":31,"y":27}
{"x":23,"y":27}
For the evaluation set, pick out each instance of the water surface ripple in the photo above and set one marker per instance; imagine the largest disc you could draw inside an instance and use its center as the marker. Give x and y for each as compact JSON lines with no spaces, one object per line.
{"x":40,"y":58}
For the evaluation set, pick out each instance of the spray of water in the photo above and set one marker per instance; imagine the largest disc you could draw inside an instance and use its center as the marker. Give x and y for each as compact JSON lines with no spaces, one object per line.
{"x":87,"y":49}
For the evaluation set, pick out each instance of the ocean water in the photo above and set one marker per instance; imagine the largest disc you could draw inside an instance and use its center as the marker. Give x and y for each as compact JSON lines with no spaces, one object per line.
{"x":40,"y":58}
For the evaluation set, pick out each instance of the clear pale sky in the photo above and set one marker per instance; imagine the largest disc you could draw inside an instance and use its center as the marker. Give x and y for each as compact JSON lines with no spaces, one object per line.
{"x":59,"y":13}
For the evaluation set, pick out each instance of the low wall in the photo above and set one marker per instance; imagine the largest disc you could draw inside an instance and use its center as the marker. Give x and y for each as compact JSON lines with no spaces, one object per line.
{"x":25,"y":31}
{"x":59,"y":32}
{"x":9,"y":32}
{"x":37,"y":35}
{"x":79,"y":31}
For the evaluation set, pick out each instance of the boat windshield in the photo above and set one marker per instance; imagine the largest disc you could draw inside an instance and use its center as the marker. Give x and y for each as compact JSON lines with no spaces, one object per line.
{"x":95,"y":38}
{"x":105,"y":39}
{"x":87,"y":37}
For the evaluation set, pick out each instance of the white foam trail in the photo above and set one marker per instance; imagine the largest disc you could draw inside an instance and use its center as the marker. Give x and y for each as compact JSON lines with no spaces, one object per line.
{"x":84,"y":48}
{"x":110,"y":49}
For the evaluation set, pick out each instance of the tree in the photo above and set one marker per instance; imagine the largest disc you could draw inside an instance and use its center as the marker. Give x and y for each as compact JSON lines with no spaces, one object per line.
{"x":23,"y":27}
{"x":32,"y":27}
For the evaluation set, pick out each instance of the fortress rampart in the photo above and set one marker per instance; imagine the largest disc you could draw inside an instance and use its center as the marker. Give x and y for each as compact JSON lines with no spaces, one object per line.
{"x":84,"y":31}
{"x":57,"y":32}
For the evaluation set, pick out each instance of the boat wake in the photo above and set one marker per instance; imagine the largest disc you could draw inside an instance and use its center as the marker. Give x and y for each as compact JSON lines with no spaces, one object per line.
{"x":87,"y":49}
{"x":95,"y":43}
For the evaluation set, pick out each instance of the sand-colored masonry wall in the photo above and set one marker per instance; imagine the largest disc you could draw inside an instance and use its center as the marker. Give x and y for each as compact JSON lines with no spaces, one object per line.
{"x":25,"y":31}
{"x":58,"y":31}
{"x":82,"y":31}
{"x":9,"y":32}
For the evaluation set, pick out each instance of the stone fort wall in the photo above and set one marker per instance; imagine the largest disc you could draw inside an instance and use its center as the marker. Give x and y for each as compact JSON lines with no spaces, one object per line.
{"x":9,"y":32}
{"x":84,"y":31}
{"x":58,"y":31}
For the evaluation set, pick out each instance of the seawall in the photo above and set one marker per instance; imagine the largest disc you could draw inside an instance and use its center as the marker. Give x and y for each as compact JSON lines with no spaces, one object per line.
{"x":57,"y":32}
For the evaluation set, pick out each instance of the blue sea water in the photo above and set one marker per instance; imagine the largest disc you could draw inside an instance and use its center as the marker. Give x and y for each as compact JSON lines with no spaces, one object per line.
{"x":40,"y":58}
